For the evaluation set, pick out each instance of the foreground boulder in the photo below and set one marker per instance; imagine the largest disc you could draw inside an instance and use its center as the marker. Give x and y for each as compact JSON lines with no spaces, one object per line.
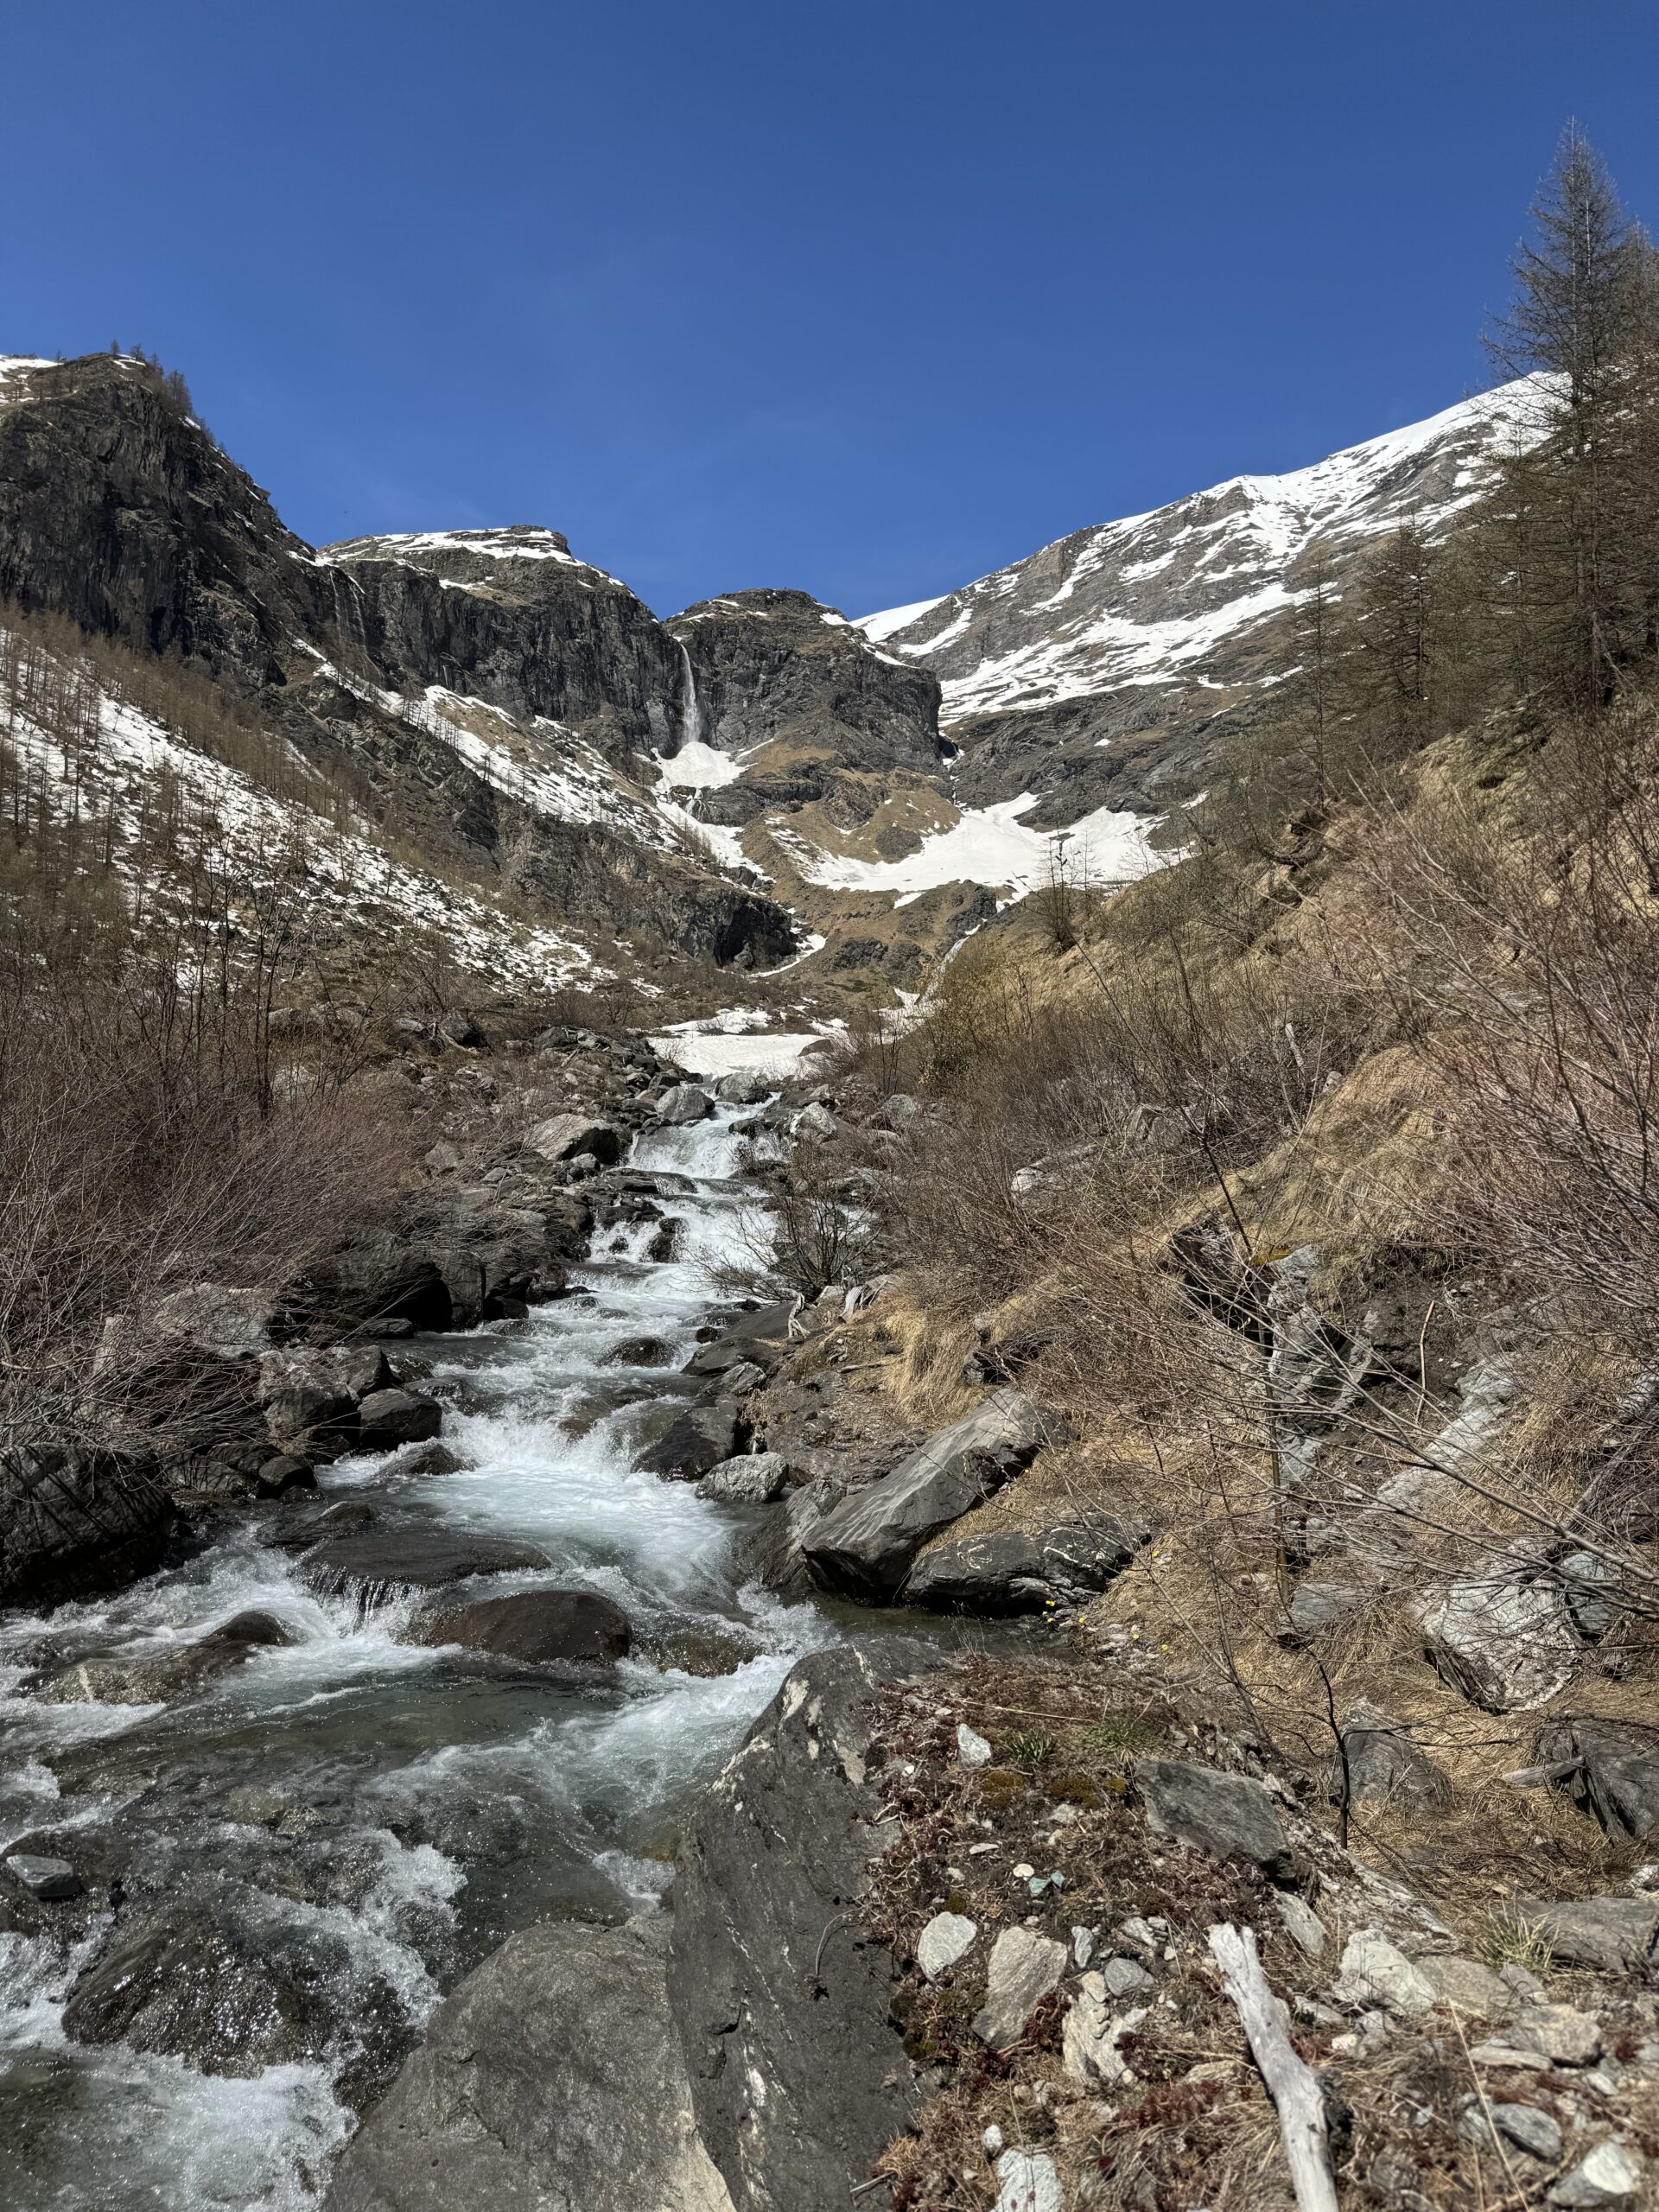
{"x":753,"y":1478}
{"x":196,"y":1990}
{"x":1228,"y":1816}
{"x":1608,"y":1935}
{"x":799,"y":2080}
{"x":699,"y":1438}
{"x":74,"y":1522}
{"x":1007,"y":1570}
{"x":551,"y":2079}
{"x":866,"y":1546}
{"x":536,"y":1627}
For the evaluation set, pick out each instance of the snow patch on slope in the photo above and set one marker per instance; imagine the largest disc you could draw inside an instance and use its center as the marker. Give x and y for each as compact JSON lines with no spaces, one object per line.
{"x":990,"y":845}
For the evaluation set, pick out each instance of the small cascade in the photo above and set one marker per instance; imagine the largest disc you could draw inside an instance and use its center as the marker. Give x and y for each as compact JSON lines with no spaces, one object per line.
{"x":690,"y":715}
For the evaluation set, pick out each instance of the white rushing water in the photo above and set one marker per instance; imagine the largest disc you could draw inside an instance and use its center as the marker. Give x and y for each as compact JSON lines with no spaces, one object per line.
{"x":382,"y":1811}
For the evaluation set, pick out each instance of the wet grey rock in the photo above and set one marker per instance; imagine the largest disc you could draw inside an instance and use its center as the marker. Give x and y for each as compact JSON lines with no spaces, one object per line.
{"x":563,"y":1136}
{"x":431,"y":1459}
{"x":744,"y":1088}
{"x":1007,"y":1570}
{"x":74,"y":1522}
{"x":536,"y":1627}
{"x":386,"y":1418}
{"x":639,"y":1351}
{"x":755,"y":1478}
{"x":1504,"y":1640}
{"x":1612,"y":1936}
{"x":154,"y":1677}
{"x":1024,"y":1966}
{"x":1383,"y":1766}
{"x":414,"y":1559}
{"x":868,"y":1544}
{"x":706,"y":1651}
{"x":697,"y":1439}
{"x":683,"y":1104}
{"x":760,"y":1339}
{"x":551,"y":2078}
{"x":53,"y":1881}
{"x":780,"y":1996}
{"x":193,"y":1989}
{"x":1228,"y":1816}
{"x":1616,"y":1776}
{"x":283,"y":1473}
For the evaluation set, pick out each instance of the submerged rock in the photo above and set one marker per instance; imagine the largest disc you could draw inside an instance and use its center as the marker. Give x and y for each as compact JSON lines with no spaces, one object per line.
{"x":154,"y":1677}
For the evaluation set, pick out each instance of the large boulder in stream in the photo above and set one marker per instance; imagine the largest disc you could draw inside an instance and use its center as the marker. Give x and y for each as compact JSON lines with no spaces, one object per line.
{"x":538,"y":1628}
{"x":74,"y":1522}
{"x":683,"y":1104}
{"x":695,"y":1440}
{"x":753,"y":2067}
{"x":414,"y":1559}
{"x":867,"y":1544}
{"x":551,"y":2081}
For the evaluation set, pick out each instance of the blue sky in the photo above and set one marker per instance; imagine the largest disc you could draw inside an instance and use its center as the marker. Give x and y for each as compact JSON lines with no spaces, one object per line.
{"x":867,"y":299}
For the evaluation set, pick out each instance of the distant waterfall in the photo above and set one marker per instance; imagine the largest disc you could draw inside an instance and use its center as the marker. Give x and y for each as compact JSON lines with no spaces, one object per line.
{"x":690,"y":719}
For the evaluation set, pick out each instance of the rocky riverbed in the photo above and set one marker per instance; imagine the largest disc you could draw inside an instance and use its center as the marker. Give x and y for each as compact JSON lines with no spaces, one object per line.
{"x":306,"y":1776}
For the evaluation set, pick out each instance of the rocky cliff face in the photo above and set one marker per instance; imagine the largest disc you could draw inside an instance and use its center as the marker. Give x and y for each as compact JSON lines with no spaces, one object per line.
{"x":798,"y":692}
{"x":1101,"y":669}
{"x":512,"y":617}
{"x":120,"y":513}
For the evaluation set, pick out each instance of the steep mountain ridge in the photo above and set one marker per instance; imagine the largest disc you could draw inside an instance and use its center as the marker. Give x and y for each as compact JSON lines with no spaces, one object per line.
{"x":120,"y":513}
{"x":1102,"y":668}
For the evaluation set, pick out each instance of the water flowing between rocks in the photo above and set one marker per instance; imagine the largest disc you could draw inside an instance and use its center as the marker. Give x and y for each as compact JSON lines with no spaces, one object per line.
{"x":375,"y":1815}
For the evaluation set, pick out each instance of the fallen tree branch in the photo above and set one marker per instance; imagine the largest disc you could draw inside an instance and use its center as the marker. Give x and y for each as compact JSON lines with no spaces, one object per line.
{"x":1291,"y":2084}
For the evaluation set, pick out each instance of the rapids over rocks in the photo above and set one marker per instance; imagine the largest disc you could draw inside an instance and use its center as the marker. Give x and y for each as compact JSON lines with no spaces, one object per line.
{"x":332,"y":1832}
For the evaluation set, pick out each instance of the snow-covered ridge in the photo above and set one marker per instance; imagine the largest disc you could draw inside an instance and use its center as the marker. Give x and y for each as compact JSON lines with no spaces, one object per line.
{"x":512,"y":542}
{"x":1163,"y":596}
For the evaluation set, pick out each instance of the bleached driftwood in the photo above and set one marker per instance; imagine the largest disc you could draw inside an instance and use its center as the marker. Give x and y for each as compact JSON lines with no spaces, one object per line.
{"x":1291,"y":2084}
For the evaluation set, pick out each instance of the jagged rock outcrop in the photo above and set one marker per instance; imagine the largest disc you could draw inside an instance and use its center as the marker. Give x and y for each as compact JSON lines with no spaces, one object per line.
{"x":73,"y":1520}
{"x":118,"y":511}
{"x":552,"y":2080}
{"x":778,"y":669}
{"x":781,"y":1999}
{"x":1105,"y":668}
{"x":512,"y":617}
